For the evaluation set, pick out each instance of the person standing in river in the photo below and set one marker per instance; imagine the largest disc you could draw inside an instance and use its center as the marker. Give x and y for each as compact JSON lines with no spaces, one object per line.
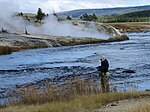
{"x":104,"y":74}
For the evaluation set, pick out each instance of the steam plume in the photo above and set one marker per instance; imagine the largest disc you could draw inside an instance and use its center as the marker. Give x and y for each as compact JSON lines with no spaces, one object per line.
{"x":50,"y":27}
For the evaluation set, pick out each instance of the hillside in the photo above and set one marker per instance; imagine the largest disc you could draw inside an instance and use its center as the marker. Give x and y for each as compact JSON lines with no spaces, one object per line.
{"x":144,"y":13}
{"x":138,"y":16}
{"x":103,"y":11}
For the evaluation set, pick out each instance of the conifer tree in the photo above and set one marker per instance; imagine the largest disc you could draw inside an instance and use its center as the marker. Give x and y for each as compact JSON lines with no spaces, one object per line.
{"x":40,"y":15}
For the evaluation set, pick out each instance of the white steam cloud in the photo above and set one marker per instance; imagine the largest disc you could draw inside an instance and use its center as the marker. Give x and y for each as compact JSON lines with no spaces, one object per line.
{"x":50,"y":27}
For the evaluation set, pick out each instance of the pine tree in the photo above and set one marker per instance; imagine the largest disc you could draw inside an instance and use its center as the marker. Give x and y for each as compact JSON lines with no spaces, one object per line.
{"x":20,"y":14}
{"x":94,"y":17}
{"x":85,"y":17}
{"x":40,"y":15}
{"x":69,"y":18}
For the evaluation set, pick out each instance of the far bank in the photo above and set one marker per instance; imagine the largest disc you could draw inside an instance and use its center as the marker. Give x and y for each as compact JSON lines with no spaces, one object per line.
{"x":14,"y":42}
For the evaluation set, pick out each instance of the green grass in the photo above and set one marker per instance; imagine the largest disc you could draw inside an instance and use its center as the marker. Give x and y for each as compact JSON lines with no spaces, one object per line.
{"x":139,"y":16}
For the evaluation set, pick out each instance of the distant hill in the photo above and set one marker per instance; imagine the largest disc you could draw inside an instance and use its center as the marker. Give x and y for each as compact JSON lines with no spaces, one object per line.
{"x":144,"y":13}
{"x":138,"y":16}
{"x":103,"y":11}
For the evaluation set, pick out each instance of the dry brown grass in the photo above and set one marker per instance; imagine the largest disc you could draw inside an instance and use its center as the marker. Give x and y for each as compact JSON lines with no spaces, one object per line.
{"x":131,"y":26}
{"x":53,"y":92}
{"x":79,"y":41}
{"x":123,"y":37}
{"x":2,"y":106}
{"x":81,"y":103}
{"x":144,"y":108}
{"x":5,"y":50}
{"x":76,"y":96}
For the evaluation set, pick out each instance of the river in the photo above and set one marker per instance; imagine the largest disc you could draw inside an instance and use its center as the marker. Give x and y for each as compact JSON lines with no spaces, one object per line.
{"x":129,"y":63}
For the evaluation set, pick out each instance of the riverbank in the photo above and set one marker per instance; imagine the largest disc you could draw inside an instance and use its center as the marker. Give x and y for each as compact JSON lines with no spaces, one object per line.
{"x":76,"y":95}
{"x":112,"y":102}
{"x":16,"y":42}
{"x":140,"y":104}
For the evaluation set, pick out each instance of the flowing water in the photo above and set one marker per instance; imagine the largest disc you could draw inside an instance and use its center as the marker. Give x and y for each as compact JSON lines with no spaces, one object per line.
{"x":129,"y":63}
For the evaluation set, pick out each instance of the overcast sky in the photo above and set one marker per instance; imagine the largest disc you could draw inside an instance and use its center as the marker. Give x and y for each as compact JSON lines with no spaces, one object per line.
{"x":65,"y":5}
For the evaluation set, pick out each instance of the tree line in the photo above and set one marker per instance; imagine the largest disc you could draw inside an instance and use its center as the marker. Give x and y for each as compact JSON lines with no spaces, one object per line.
{"x":87,"y":17}
{"x":139,"y":16}
{"x":39,"y":16}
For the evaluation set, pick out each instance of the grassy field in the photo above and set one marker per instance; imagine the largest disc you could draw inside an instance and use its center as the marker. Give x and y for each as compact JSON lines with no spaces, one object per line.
{"x":131,"y":26}
{"x":75,"y":96}
{"x":83,"y":103}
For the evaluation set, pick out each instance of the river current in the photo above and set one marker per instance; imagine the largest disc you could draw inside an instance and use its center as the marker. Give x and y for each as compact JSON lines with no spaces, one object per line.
{"x":129,"y":63}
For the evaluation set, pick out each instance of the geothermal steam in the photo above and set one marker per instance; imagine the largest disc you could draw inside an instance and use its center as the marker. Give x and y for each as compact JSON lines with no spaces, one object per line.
{"x":50,"y":27}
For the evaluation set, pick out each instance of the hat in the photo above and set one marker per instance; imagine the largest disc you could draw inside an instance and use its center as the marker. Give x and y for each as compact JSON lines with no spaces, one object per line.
{"x":102,"y":58}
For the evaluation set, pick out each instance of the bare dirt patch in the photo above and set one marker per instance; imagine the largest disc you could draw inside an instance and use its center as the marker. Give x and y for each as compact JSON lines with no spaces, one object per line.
{"x":128,"y":105}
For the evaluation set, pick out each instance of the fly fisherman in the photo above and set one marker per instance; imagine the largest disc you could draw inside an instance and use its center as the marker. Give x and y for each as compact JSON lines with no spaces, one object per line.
{"x":103,"y":73}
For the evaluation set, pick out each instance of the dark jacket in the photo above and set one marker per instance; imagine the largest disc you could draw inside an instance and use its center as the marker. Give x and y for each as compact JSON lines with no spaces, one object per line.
{"x":104,"y":66}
